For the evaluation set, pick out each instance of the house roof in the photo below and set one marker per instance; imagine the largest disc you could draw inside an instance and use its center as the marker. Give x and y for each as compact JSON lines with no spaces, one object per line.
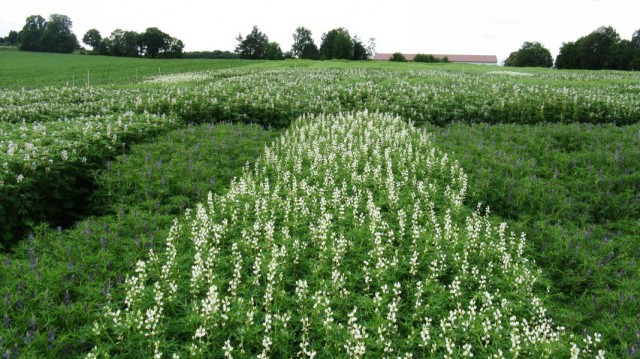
{"x":484,"y":59}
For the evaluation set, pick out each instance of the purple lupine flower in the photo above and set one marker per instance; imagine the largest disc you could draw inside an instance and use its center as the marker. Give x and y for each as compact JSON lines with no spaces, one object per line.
{"x":106,"y":288}
{"x":31,"y":332}
{"x":33,"y":260}
{"x":67,"y":298}
{"x":51,"y":338}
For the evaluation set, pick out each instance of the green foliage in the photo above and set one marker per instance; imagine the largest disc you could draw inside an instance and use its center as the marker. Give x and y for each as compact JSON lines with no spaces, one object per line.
{"x":53,"y":35}
{"x":55,"y":284}
{"x":31,"y":34}
{"x":23,"y":69}
{"x":215,"y":54}
{"x":92,"y":38}
{"x":11,"y":39}
{"x":601,"y":49}
{"x":64,"y":150}
{"x":571,"y":187}
{"x":303,"y":45}
{"x":153,"y":40}
{"x":276,"y":265}
{"x":155,"y":43}
{"x":274,"y":52}
{"x":531,"y":54}
{"x":254,"y":46}
{"x":336,"y":44}
{"x":151,"y":43}
{"x":359,"y":51}
{"x":575,"y":190}
{"x":398,"y":57}
{"x":429,"y":59}
{"x":57,"y":35}
{"x":121,"y":43}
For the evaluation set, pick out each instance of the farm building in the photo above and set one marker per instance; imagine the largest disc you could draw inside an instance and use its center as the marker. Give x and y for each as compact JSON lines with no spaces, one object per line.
{"x":465,"y":59}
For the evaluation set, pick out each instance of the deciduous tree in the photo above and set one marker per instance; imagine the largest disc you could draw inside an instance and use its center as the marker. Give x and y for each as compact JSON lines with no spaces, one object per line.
{"x":336,"y":44}
{"x":598,"y":50}
{"x":254,"y":46}
{"x":359,"y":51}
{"x":531,"y":54}
{"x":153,"y":41}
{"x":92,"y":38}
{"x":12,"y":38}
{"x":57,"y":35}
{"x":303,"y":46}
{"x":274,"y":52}
{"x":31,"y":34}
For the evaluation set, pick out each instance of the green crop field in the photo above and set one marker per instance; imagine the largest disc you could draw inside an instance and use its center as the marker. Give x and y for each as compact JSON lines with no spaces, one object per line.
{"x":232,"y":208}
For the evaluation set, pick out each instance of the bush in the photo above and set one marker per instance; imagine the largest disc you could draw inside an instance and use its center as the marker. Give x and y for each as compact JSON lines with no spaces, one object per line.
{"x":399,"y":57}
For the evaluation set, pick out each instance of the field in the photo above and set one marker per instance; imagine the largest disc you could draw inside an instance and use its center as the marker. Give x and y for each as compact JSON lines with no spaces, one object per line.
{"x":231,"y":208}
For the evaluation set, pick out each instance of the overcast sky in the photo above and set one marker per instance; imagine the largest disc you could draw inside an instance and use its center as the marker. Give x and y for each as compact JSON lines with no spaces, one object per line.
{"x":489,"y":27}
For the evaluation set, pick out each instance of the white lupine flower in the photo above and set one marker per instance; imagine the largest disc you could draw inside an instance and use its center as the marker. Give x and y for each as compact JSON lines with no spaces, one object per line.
{"x":291,"y":218}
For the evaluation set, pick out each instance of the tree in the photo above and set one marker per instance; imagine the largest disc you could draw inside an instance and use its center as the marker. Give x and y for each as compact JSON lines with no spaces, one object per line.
{"x":596,"y":47}
{"x":121,"y":43}
{"x":371,"y":48}
{"x":254,"y":46}
{"x":92,"y":38}
{"x":31,"y":33}
{"x":12,"y":38}
{"x":274,"y":52}
{"x":621,"y":56}
{"x":398,"y":56}
{"x":531,"y":54}
{"x":303,"y":46}
{"x":635,"y":47}
{"x":359,"y":51}
{"x":153,"y":41}
{"x":594,"y":51}
{"x":336,"y":44}
{"x":568,"y":56}
{"x":57,"y":35}
{"x":174,"y":49}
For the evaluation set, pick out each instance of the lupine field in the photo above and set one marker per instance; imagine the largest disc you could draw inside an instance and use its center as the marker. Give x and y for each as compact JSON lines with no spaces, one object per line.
{"x":318,"y":209}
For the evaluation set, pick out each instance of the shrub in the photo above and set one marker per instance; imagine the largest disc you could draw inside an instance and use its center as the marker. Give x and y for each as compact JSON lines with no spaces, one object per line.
{"x":399,"y":57}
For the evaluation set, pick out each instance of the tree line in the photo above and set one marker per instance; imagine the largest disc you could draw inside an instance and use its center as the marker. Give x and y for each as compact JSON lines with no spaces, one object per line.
{"x":153,"y":43}
{"x":55,"y":35}
{"x":601,"y":49}
{"x":335,"y":44}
